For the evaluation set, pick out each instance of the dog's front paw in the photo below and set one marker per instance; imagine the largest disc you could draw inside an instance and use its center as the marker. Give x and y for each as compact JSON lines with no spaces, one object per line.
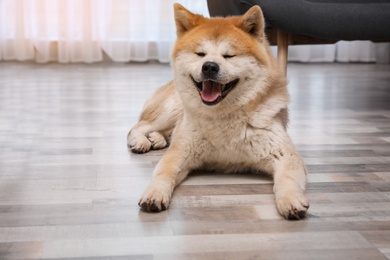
{"x":292,"y":205}
{"x":139,"y":143}
{"x":156,"y":198}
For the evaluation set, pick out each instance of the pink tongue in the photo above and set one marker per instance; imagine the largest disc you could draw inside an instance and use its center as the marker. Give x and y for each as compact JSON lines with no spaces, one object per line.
{"x":211,"y":91}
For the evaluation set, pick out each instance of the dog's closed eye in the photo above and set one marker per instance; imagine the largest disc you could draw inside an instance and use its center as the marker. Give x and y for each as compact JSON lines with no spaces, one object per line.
{"x":227,"y":56}
{"x":200,"y":54}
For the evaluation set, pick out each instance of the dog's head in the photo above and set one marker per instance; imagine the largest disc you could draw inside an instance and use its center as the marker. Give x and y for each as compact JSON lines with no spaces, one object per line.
{"x":220,"y":62}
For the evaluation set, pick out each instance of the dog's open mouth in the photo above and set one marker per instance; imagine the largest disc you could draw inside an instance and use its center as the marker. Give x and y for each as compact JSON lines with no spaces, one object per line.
{"x":212,"y":92}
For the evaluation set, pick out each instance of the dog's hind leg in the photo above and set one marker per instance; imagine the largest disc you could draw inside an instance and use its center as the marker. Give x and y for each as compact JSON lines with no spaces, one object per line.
{"x":137,"y":138}
{"x":157,"y":121}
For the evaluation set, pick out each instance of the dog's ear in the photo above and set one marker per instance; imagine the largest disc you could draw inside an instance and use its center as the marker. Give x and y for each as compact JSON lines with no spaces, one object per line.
{"x":185,"y":20}
{"x":252,"y":22}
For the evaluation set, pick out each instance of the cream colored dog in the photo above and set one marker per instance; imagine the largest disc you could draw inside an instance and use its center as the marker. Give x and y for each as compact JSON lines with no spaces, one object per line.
{"x":226,"y":110}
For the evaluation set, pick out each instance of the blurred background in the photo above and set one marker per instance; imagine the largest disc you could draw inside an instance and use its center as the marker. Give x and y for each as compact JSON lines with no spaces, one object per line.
{"x":88,"y":31}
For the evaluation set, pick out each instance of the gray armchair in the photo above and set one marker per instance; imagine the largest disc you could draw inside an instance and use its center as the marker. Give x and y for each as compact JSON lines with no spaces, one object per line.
{"x":290,"y":22}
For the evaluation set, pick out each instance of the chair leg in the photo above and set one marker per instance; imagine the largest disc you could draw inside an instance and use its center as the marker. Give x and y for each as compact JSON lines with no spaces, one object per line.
{"x":282,"y":39}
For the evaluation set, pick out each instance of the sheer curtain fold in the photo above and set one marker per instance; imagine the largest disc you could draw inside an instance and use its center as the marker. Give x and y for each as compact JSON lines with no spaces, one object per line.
{"x":122,"y":30}
{"x":15,"y":24}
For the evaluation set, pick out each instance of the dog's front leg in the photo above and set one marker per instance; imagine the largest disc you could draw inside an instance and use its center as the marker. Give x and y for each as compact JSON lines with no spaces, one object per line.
{"x":289,"y":183}
{"x":172,"y":169}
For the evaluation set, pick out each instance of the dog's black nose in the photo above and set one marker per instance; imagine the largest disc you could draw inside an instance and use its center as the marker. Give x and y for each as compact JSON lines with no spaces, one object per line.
{"x":210,"y":69}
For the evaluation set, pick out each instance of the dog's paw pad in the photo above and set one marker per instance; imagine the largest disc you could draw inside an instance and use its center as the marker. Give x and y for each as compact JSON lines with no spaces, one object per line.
{"x":157,"y":140}
{"x":295,"y":214}
{"x":292,"y":206}
{"x":155,"y":199}
{"x":152,"y":206}
{"x":140,"y":144}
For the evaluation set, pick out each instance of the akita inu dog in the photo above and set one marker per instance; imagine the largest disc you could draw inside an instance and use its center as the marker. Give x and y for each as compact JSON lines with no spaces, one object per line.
{"x":226,"y":110}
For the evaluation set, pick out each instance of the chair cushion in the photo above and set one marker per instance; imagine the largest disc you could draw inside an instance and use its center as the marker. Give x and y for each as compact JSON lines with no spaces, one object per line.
{"x":325,"y":19}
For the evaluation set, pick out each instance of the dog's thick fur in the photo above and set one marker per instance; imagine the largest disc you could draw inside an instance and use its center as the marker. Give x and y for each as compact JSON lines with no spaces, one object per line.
{"x":226,"y":110}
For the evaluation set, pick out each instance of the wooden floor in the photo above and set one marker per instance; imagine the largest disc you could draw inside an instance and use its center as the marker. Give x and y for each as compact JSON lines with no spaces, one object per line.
{"x":69,"y":187}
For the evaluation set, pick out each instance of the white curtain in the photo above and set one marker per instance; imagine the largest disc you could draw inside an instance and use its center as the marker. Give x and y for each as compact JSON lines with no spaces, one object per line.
{"x":120,"y":30}
{"x":87,"y":30}
{"x":342,"y":51}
